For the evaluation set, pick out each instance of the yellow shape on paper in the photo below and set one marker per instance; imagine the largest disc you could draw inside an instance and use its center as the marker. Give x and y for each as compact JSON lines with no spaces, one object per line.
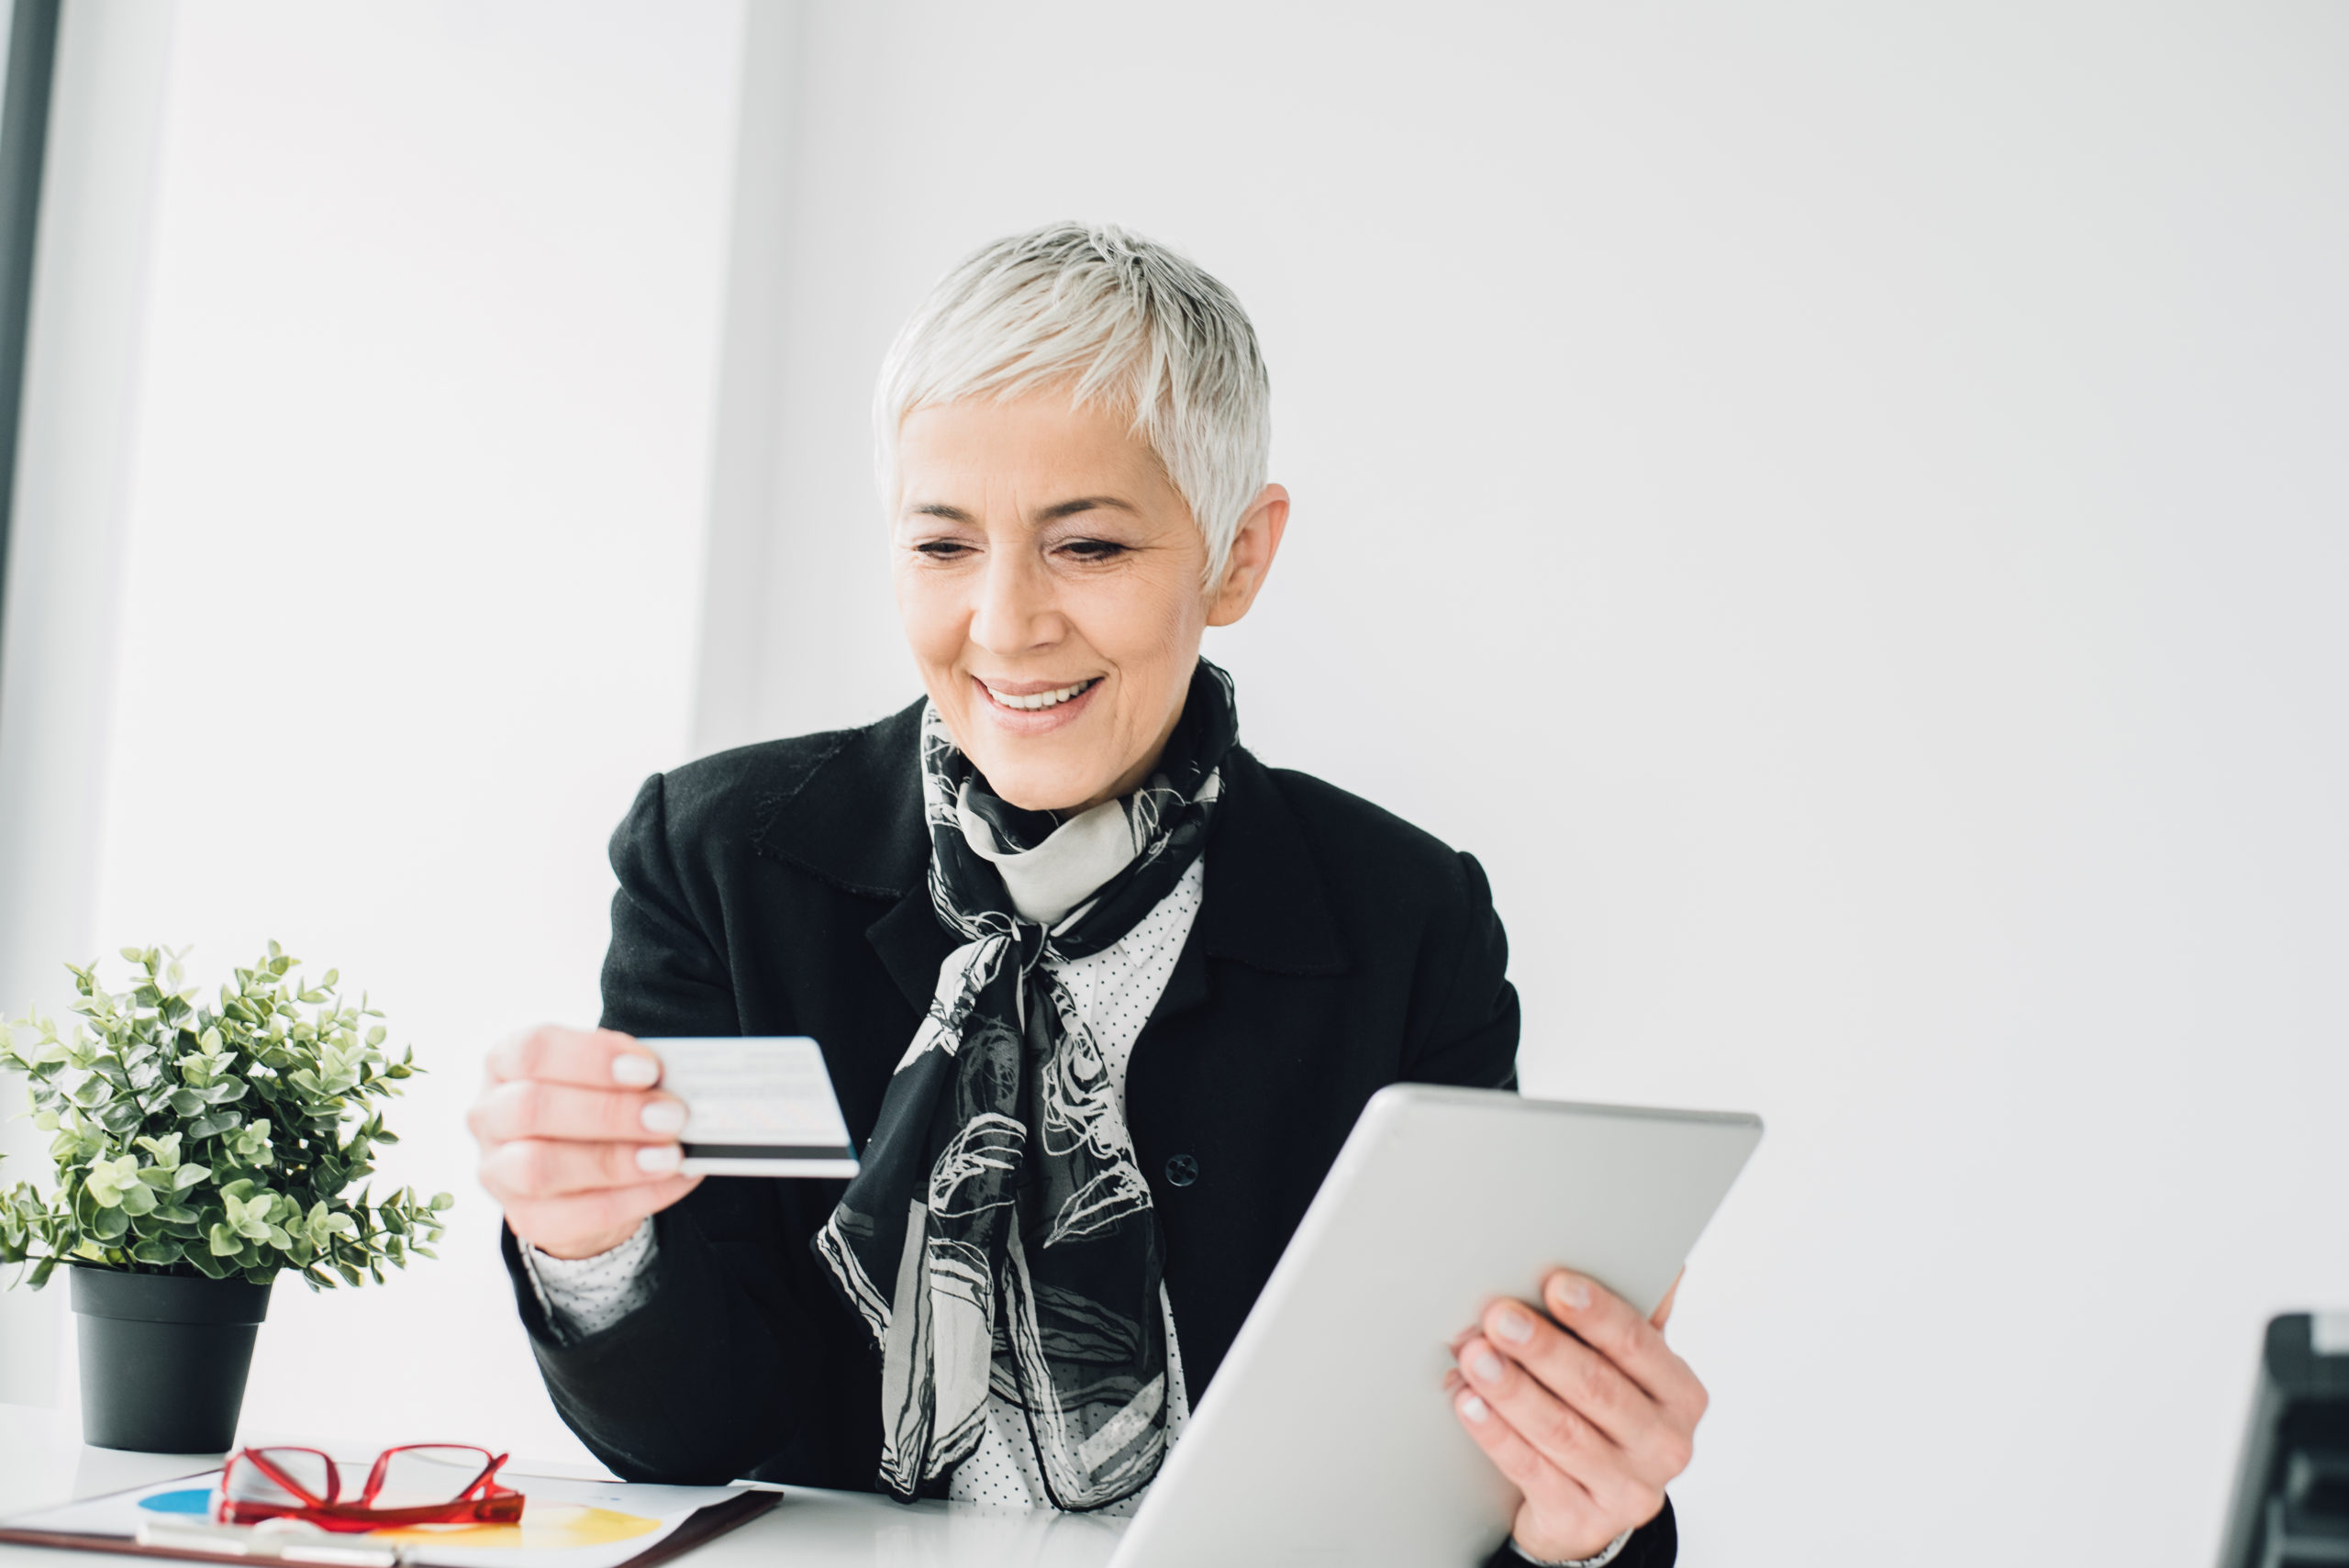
{"x":545,"y":1527}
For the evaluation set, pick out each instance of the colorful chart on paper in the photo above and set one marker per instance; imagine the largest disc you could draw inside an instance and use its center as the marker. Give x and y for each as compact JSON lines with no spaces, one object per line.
{"x":545,"y":1527}
{"x":565,"y":1523}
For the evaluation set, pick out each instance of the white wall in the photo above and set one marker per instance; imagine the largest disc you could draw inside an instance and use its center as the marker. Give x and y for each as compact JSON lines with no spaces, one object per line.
{"x":1842,"y":509}
{"x":414,"y":565}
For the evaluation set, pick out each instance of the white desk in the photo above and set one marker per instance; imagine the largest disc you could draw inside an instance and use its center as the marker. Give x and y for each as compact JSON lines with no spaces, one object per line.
{"x":43,"y":1461}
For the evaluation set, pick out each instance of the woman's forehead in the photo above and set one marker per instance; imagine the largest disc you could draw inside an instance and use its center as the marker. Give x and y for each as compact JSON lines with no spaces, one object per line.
{"x":974,"y":448}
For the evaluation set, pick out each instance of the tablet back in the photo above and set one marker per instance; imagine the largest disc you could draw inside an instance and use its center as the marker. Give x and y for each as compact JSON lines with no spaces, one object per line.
{"x":1327,"y":1436}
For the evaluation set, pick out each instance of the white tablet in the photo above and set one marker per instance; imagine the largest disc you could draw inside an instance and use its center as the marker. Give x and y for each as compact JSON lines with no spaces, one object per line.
{"x":1327,"y":1436}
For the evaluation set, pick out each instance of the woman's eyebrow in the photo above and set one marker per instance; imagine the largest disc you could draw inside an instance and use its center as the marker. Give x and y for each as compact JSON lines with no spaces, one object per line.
{"x":1050,"y":514}
{"x":1059,"y":509}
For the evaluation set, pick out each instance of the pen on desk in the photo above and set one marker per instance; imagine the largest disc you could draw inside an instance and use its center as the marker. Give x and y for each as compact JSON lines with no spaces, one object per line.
{"x":268,"y":1545}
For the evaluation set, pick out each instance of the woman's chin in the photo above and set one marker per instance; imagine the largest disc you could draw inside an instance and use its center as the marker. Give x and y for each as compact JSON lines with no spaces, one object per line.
{"x":1042,"y":772}
{"x":1043,"y":788}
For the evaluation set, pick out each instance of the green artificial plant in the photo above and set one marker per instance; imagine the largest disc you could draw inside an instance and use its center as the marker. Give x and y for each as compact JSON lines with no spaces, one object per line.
{"x":212,"y":1141}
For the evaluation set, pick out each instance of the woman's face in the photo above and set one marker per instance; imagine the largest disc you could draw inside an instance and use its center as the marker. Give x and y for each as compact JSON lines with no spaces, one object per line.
{"x":1049,"y":577}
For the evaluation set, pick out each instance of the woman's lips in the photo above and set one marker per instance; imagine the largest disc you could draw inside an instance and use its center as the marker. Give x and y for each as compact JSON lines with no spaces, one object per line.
{"x":1026,"y":720}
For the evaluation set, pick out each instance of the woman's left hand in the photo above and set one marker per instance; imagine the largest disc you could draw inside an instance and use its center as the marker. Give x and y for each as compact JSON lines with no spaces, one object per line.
{"x":1590,"y":1425}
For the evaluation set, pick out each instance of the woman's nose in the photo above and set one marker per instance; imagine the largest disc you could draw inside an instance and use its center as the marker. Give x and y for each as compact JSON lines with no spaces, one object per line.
{"x":1015,"y":612}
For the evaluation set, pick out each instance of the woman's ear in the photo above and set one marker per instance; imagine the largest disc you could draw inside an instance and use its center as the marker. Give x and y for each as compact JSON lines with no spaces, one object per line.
{"x":1252,"y":548}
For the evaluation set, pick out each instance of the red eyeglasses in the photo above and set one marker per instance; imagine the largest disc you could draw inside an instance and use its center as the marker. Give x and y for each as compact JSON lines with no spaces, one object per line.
{"x":423,"y":1484}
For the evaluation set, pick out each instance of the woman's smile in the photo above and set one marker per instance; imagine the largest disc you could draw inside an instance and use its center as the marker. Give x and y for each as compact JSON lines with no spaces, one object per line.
{"x":1032,"y":707}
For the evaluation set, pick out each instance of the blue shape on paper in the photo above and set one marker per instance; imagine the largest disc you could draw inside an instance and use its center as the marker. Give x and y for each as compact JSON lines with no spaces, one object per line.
{"x":196,"y":1500}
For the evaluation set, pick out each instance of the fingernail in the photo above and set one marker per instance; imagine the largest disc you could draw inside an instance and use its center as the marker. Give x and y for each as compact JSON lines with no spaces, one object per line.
{"x":664,"y":1116}
{"x":636,"y":1070}
{"x":659,"y":1158}
{"x":1474,"y":1409}
{"x":1487,"y":1366}
{"x":1572,"y":1294}
{"x":1513,"y":1326}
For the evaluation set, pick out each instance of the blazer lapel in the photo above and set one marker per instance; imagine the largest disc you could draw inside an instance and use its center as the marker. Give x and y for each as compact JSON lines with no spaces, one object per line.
{"x":1264,"y":904}
{"x":855,"y":820}
{"x":854,"y":817}
{"x":912,"y":944}
{"x":1187,"y":986}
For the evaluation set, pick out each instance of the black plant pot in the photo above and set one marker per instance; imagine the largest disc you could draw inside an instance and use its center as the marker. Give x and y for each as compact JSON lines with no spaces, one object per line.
{"x":164,"y":1358}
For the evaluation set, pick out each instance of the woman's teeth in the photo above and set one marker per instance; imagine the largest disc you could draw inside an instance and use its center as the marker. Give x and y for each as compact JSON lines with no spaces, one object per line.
{"x":1041,"y":699}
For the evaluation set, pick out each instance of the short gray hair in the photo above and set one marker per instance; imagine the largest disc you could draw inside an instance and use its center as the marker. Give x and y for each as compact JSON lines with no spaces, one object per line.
{"x":1118,"y":319}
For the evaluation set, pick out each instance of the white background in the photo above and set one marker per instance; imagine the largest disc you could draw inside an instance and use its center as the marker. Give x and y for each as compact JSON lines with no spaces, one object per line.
{"x":414,"y":552}
{"x":1843,"y":512}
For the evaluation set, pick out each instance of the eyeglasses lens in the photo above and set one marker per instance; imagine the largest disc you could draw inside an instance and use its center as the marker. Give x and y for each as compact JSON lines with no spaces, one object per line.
{"x":420,"y":1477}
{"x":249,"y":1483}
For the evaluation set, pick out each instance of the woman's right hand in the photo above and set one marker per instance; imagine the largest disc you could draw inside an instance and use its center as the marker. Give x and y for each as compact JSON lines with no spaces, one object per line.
{"x":576,"y":1143}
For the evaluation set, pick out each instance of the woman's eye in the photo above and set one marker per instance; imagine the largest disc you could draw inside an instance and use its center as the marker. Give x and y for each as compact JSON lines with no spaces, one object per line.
{"x":942,"y":548}
{"x":1095,"y":549}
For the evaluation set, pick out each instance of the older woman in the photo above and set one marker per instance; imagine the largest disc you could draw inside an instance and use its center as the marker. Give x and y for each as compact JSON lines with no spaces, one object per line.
{"x":1101,"y":994}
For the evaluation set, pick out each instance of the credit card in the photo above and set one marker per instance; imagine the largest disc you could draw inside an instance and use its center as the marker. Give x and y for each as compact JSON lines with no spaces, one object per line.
{"x":756,"y":1106}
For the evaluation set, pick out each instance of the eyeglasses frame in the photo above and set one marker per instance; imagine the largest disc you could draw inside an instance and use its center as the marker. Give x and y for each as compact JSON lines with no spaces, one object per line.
{"x":480,"y":1501}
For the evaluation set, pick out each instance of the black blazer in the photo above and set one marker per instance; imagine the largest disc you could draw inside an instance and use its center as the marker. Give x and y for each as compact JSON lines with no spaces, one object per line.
{"x":779,"y":889}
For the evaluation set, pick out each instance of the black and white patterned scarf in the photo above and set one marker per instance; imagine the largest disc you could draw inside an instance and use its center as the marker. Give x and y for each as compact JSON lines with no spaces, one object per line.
{"x":1000,"y":1234}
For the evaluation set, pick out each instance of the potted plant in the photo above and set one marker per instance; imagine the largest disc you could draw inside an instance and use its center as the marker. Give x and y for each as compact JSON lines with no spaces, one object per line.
{"x":200,"y":1152}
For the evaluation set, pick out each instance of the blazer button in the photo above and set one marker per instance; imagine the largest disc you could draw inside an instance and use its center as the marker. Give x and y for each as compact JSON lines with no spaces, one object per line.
{"x":1182,"y":1171}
